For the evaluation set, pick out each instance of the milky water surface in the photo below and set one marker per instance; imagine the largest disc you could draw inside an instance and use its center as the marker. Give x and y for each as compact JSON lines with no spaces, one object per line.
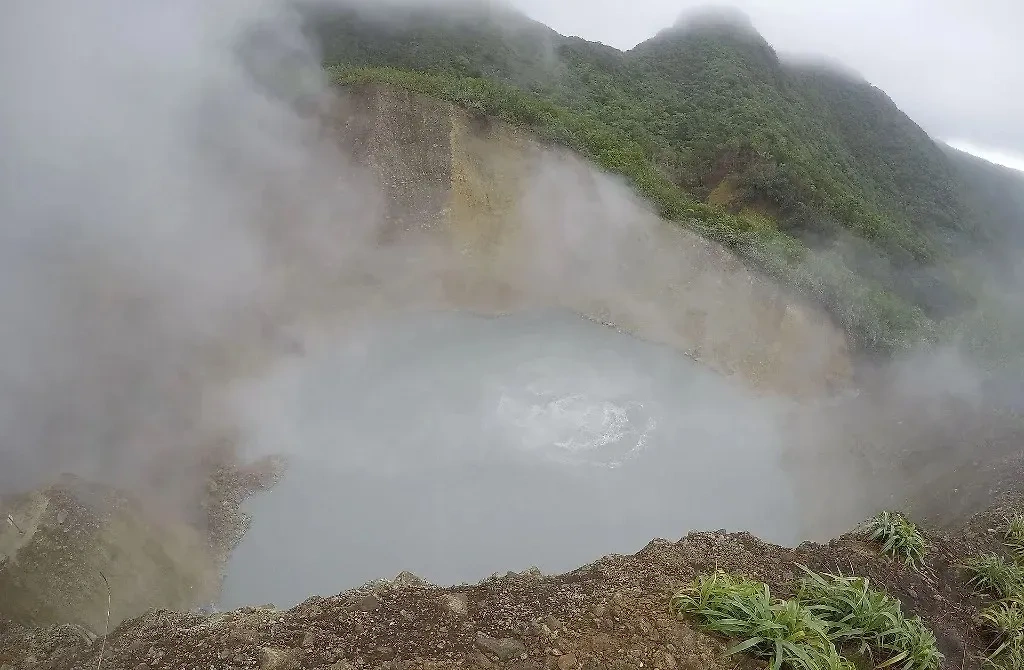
{"x":456,"y":446}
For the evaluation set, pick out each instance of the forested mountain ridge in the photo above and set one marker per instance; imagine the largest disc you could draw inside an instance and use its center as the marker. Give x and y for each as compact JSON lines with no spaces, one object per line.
{"x":806,"y":171}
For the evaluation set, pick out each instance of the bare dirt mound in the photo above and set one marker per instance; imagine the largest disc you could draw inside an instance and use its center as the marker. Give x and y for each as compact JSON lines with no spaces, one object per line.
{"x":610,"y":615}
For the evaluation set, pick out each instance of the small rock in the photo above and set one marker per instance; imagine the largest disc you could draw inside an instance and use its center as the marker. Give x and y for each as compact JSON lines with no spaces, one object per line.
{"x":280,"y":659}
{"x":387,"y":653}
{"x":367,"y":603}
{"x":526,"y":664}
{"x":567,"y":661}
{"x":406,"y":578}
{"x":480,"y":660}
{"x":308,"y":639}
{"x":358,"y":628}
{"x":456,"y":603}
{"x":343,"y":665}
{"x":553,"y":623}
{"x":598,"y":611}
{"x":505,"y":648}
{"x":86,"y":635}
{"x":140,"y":666}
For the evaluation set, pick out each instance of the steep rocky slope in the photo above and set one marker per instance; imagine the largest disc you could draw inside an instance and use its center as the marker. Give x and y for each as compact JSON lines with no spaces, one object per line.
{"x":521,"y":224}
{"x":612,"y":614}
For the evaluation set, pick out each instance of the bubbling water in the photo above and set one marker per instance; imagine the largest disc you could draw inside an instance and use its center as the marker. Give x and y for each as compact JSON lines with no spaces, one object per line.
{"x":456,"y":446}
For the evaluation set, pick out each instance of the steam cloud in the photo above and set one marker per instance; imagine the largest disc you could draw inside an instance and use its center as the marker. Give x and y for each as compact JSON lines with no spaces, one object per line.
{"x":170,"y":206}
{"x":162,"y":202}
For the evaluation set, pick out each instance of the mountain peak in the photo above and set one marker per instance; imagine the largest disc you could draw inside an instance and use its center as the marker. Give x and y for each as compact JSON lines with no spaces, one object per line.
{"x":717,"y":18}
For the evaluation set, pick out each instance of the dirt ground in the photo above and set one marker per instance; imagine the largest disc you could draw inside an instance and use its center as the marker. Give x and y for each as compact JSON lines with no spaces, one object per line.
{"x":610,"y":615}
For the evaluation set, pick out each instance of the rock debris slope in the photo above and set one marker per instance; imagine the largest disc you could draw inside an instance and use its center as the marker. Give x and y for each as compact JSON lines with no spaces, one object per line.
{"x":610,"y":615}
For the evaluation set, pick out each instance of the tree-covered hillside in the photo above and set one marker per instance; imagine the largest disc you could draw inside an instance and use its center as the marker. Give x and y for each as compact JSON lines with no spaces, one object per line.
{"x":807,"y":172}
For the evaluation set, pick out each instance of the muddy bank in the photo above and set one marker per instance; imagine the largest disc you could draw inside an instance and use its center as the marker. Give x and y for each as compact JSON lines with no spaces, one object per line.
{"x":611,"y":614}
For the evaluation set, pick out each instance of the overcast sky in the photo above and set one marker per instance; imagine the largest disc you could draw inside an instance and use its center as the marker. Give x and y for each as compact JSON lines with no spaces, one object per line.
{"x":956,"y":67}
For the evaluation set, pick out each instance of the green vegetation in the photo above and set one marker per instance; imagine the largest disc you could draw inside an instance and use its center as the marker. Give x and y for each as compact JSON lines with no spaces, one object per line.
{"x":1013,"y":535}
{"x":899,"y":537}
{"x":783,"y":631}
{"x":873,"y":317}
{"x":870,"y":620}
{"x":1004,"y":578}
{"x":993,"y":573}
{"x":1005,"y":622}
{"x":811,"y":175}
{"x":806,"y":632}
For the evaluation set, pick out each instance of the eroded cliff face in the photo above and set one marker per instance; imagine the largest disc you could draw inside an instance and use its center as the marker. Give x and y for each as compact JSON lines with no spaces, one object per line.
{"x":525,"y":225}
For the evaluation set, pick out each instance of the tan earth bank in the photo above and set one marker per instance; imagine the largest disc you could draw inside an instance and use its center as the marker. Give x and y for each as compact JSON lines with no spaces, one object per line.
{"x":521,"y":224}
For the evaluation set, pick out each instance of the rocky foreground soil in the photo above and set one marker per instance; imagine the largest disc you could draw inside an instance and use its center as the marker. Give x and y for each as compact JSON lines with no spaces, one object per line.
{"x":610,"y":615}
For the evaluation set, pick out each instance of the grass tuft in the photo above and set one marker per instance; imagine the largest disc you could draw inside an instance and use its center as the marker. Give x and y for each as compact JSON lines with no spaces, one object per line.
{"x":783,"y":631}
{"x":803,"y":632}
{"x":1004,"y":621}
{"x":1014,"y":535}
{"x":899,"y":538}
{"x":870,"y":620}
{"x":994,"y":574}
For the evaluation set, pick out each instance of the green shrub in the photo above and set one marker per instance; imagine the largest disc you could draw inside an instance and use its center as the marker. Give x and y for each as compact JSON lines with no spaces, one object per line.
{"x":871,"y":620}
{"x":899,"y":538}
{"x":803,"y":632}
{"x":994,"y":574}
{"x":921,"y":650}
{"x":1004,"y":621}
{"x":783,"y":631}
{"x":1014,"y":535}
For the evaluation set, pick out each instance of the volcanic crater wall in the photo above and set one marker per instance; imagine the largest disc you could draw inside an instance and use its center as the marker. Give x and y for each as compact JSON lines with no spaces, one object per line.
{"x":460,"y":213}
{"x":536,"y":226}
